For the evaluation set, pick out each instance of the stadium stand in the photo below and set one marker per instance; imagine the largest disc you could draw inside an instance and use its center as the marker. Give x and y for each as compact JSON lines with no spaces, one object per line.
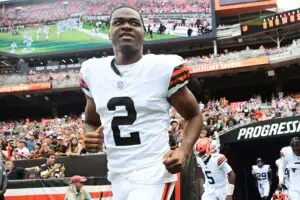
{"x":219,"y":115}
{"x":71,"y":77}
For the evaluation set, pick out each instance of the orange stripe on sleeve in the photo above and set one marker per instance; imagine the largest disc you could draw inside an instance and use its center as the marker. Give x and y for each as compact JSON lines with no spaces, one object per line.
{"x":221,"y":160}
{"x":180,"y":79}
{"x":178,"y":71}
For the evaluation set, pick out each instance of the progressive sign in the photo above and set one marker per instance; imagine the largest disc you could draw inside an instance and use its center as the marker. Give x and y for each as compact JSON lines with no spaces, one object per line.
{"x":263,"y":130}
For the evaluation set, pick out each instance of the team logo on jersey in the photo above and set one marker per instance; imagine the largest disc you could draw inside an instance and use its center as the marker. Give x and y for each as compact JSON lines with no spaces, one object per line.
{"x":120,"y":85}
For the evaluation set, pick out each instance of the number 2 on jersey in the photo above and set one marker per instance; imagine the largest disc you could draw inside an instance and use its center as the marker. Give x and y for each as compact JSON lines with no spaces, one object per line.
{"x":117,"y":121}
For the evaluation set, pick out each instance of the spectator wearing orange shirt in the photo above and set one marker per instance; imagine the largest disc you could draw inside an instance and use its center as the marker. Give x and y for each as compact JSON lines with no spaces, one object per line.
{"x":259,"y":114}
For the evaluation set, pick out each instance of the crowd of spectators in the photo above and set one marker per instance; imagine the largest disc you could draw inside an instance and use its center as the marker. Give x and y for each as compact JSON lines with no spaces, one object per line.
{"x":221,"y":115}
{"x":70,"y":78}
{"x":54,"y":10}
{"x":56,"y":137}
{"x":231,"y":56}
{"x":44,"y":139}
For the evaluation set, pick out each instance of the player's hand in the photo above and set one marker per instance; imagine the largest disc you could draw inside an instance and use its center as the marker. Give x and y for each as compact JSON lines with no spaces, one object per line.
{"x":174,"y":160}
{"x":280,"y":185}
{"x":94,"y":140}
{"x":228,"y":197}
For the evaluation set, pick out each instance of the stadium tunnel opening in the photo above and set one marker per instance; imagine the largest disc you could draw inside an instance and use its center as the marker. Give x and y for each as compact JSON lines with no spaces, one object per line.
{"x":241,"y":156}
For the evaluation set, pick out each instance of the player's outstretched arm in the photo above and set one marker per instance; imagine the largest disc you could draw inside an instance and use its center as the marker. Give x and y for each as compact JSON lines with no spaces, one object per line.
{"x":92,"y":127}
{"x":281,"y":169}
{"x":186,"y":105}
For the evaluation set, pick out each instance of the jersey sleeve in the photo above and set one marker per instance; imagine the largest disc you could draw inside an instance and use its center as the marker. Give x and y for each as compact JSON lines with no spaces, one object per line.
{"x":179,"y":76}
{"x":221,"y":160}
{"x":277,"y":162}
{"x":83,"y":80}
{"x":223,"y":164}
{"x":282,"y":166}
{"x":283,"y":153}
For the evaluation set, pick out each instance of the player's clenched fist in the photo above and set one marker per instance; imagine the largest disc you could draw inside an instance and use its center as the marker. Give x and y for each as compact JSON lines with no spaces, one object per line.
{"x":94,"y":140}
{"x":174,"y":160}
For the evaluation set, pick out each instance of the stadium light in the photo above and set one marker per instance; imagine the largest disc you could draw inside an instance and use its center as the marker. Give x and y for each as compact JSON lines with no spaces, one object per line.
{"x":71,"y":60}
{"x":64,"y":61}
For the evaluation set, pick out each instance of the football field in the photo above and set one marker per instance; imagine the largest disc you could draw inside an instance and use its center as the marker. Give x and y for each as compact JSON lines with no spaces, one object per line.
{"x":68,"y":40}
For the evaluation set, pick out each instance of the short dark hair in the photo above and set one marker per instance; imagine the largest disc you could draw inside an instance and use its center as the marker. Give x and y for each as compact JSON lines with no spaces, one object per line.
{"x":49,"y":155}
{"x":295,"y":141}
{"x":174,"y":121}
{"x":124,"y":6}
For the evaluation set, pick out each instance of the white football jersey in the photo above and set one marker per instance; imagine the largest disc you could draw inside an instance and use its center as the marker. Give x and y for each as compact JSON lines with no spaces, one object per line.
{"x":215,"y":170}
{"x":261,"y":172}
{"x":134,"y":107}
{"x":292,"y":162}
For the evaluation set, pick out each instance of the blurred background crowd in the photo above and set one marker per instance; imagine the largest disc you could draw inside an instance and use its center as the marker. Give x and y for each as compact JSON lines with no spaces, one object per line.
{"x":53,"y":10}
{"x":71,"y":77}
{"x":55,"y":137}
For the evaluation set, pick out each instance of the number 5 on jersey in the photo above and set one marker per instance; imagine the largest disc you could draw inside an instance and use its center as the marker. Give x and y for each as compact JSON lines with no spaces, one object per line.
{"x":117,"y":121}
{"x":210,"y":179}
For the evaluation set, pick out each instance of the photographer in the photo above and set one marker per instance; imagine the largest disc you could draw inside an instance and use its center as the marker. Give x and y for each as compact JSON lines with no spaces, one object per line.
{"x":51,"y":169}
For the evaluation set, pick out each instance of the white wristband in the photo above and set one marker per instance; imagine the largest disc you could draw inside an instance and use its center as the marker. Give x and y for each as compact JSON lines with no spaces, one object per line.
{"x":230,"y":189}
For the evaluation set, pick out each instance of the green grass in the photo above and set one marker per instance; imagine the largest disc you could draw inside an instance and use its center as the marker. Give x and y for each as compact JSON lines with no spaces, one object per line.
{"x":68,"y":40}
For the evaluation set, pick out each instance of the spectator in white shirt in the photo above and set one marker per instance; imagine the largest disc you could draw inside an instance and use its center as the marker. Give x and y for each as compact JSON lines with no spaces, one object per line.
{"x":21,"y":152}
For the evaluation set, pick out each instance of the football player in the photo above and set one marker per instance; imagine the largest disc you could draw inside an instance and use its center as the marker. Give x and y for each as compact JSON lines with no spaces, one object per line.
{"x":286,"y":181}
{"x":263,"y":175}
{"x":13,"y":47}
{"x":132,"y":94}
{"x":219,"y":177}
{"x":291,"y":159}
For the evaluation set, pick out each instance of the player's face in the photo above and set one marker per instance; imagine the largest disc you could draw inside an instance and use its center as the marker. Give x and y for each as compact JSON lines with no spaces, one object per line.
{"x":296,"y":150}
{"x":260,"y":163}
{"x":127,"y":31}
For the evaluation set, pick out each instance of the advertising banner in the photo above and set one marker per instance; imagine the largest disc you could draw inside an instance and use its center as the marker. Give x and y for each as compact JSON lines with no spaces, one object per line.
{"x":263,"y":130}
{"x":56,"y":68}
{"x":202,"y":68}
{"x":54,"y":189}
{"x":270,"y":22}
{"x":24,"y":87}
{"x":231,"y":2}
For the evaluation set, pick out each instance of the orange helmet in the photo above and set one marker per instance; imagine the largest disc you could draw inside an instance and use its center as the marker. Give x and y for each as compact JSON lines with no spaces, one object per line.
{"x":202,"y":148}
{"x":280,"y":194}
